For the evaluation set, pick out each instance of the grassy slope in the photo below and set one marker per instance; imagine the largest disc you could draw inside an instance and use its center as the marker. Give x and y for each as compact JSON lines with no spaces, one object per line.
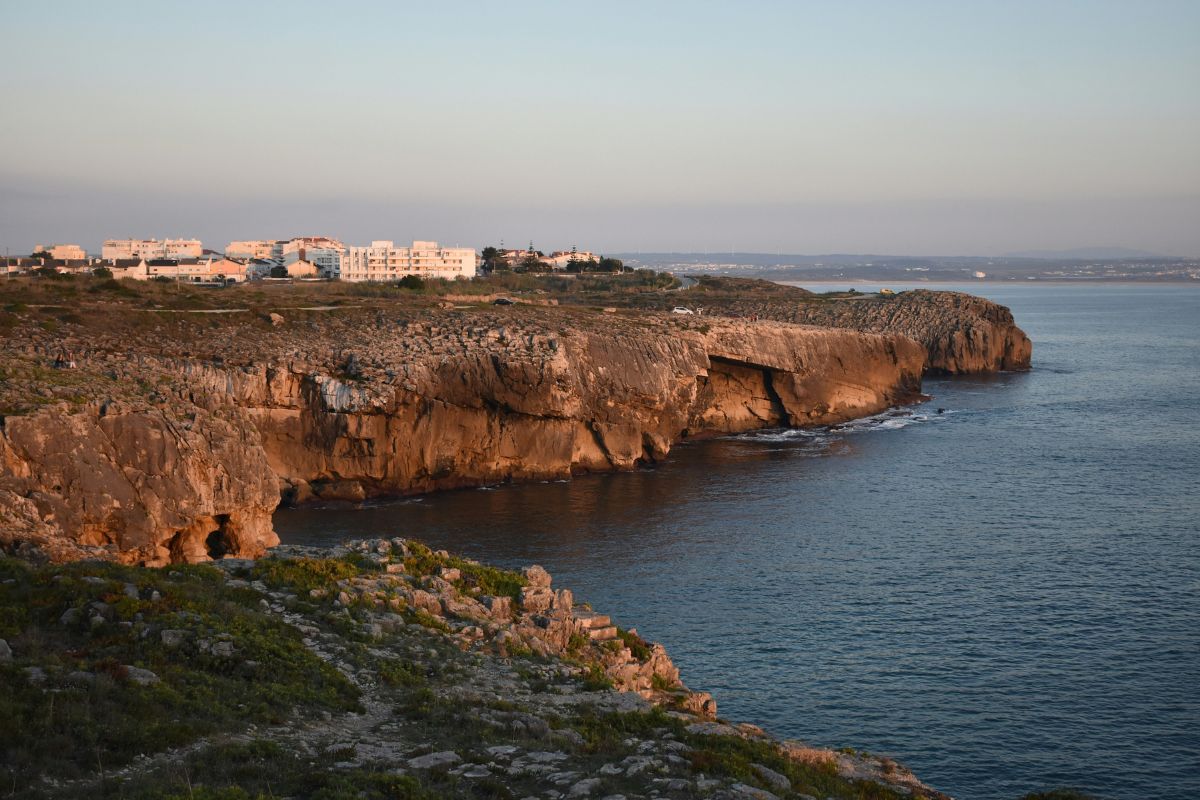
{"x":248,"y":718}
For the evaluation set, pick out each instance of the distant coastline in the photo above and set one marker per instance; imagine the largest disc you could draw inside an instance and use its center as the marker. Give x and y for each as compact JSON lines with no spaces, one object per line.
{"x":982,"y":282}
{"x":852,"y":268}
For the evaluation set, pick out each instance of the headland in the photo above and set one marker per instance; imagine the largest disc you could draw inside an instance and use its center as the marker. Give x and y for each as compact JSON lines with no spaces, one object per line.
{"x":155,"y":425}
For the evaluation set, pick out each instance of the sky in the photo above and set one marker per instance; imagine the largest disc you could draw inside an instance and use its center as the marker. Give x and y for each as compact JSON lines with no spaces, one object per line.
{"x":905,"y":127}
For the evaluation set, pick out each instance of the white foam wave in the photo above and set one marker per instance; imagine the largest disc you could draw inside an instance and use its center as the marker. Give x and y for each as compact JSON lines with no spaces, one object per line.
{"x":823,"y":437}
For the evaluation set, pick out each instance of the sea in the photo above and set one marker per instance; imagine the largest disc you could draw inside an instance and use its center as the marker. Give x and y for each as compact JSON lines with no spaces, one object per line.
{"x":999,"y":587}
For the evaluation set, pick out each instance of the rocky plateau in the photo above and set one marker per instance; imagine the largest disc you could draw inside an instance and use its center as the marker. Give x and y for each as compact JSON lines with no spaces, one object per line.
{"x":178,"y":446}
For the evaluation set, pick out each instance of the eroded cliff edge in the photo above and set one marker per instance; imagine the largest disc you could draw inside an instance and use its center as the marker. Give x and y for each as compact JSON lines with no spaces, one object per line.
{"x":961,"y":333}
{"x":177,"y":446}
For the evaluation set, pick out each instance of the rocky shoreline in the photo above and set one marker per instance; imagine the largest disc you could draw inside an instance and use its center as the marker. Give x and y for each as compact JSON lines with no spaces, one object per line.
{"x":382,"y":669}
{"x":378,"y":669}
{"x":174,"y":436}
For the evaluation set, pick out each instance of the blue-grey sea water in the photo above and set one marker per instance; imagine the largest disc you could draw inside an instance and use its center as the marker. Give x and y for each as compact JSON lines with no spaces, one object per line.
{"x":1004,"y":597}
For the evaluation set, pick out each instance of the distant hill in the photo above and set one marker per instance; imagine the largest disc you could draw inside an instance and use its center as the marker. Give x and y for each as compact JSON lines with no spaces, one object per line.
{"x":1084,"y":252}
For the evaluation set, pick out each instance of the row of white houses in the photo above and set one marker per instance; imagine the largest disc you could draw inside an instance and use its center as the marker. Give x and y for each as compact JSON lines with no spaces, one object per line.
{"x":305,"y":256}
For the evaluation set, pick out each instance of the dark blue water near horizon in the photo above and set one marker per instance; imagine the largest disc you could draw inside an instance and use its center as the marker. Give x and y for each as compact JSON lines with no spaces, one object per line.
{"x":1004,"y":597}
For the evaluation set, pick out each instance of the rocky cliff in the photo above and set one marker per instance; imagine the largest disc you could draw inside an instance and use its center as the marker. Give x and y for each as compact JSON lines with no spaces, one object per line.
{"x":153,"y":484}
{"x":961,"y":333}
{"x":177,"y":448}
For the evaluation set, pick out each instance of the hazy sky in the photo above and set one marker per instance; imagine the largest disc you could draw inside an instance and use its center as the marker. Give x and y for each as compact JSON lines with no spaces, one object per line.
{"x":957,"y":127}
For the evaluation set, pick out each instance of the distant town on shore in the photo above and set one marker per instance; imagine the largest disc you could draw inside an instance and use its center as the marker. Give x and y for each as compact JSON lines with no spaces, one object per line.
{"x":321,"y":258}
{"x":313,"y":258}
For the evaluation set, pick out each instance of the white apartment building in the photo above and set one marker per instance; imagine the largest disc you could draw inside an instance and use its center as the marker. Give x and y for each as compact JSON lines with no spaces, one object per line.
{"x":62,"y":252}
{"x":561,"y":259}
{"x":151,"y":248}
{"x":383,"y":261}
{"x":322,"y":251}
{"x":328,"y":260}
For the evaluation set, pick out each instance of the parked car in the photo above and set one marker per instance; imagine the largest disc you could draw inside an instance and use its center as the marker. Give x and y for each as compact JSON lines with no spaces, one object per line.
{"x":502,"y":301}
{"x":682,"y":310}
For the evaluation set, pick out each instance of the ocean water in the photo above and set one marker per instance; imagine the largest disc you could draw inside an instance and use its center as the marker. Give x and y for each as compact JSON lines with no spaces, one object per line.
{"x":1004,"y":596}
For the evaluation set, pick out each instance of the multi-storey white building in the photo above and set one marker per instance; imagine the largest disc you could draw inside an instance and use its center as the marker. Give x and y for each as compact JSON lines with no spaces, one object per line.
{"x":324,"y":252}
{"x":62,"y":252}
{"x":383,"y":261}
{"x":151,"y":248}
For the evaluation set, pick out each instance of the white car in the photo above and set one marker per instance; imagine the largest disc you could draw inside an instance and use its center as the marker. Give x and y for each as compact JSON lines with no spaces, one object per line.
{"x":682,"y":310}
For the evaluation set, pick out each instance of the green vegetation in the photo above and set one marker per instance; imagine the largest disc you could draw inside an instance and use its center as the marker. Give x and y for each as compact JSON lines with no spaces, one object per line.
{"x":74,"y":705}
{"x":727,"y":755}
{"x":582,"y":288}
{"x":304,"y":574}
{"x":607,"y":732}
{"x":114,"y":287}
{"x":594,"y":679}
{"x":77,"y":706}
{"x":659,"y":683}
{"x":487,"y":580}
{"x":401,"y":673}
{"x":734,"y":756}
{"x":262,"y":770}
{"x":636,"y":644}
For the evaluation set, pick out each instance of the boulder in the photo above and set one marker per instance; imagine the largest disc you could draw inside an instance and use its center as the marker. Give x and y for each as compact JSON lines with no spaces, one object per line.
{"x":440,"y":760}
{"x":142,"y":677}
{"x":537,"y":576}
{"x":536,"y":599}
{"x":776,"y":781}
{"x":172,"y":638}
{"x":499,"y":607}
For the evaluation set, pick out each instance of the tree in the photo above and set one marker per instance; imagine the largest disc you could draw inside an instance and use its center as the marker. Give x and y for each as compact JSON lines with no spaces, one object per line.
{"x":42,"y":254}
{"x":102,"y":272}
{"x":611,"y":265}
{"x":413,"y":282}
{"x":492,"y":259}
{"x":531,"y":263}
{"x":279,"y":272}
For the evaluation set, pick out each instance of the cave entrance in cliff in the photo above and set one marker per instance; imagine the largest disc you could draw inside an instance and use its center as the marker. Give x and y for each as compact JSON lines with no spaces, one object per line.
{"x":218,"y":543}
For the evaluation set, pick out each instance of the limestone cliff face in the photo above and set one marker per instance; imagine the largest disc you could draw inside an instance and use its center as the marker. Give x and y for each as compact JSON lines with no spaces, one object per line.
{"x":960,"y":332}
{"x":367,"y":407}
{"x":532,"y":405}
{"x":140,"y":484}
{"x":764,"y":374}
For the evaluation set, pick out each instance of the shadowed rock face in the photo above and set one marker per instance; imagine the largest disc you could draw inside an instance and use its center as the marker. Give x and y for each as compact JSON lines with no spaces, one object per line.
{"x":368,"y":406}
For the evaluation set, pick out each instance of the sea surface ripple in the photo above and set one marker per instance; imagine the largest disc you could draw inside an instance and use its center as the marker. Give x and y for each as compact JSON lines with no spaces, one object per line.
{"x":1004,"y":596}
